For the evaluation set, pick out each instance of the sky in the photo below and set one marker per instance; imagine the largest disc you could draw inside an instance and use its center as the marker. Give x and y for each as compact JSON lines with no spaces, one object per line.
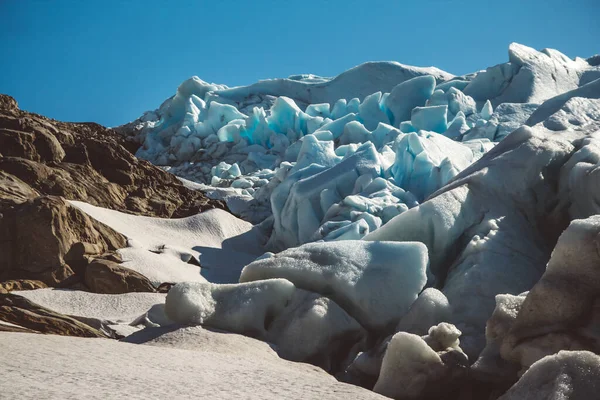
{"x":109,"y":61}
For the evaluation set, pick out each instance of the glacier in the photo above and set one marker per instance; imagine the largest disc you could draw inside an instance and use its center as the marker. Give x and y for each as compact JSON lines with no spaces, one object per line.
{"x":420,"y":234}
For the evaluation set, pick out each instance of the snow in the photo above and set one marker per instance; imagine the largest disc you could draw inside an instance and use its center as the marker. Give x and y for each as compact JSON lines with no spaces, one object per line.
{"x":57,"y":367}
{"x":114,"y":314}
{"x":113,"y":308}
{"x":567,"y":375}
{"x":348,"y":271}
{"x":161,"y":248}
{"x":198,"y":338}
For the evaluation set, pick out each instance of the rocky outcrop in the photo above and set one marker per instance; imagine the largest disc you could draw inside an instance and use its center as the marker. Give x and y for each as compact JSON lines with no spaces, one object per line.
{"x":36,"y":239}
{"x":42,"y":237}
{"x":22,"y":312}
{"x":104,"y":276}
{"x":87,"y":162}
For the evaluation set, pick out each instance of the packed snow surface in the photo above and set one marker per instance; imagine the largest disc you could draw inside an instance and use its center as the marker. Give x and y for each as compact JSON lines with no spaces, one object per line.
{"x":57,"y":367}
{"x":117,"y":308}
{"x":161,"y":249}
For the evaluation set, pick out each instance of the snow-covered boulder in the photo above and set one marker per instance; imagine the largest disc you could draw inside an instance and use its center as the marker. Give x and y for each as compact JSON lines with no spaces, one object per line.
{"x":375,"y":282}
{"x":245,"y":308}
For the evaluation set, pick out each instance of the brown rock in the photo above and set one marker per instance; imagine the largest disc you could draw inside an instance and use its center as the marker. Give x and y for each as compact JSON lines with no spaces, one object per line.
{"x":165,"y":287}
{"x":8,"y":103}
{"x":88,"y":162}
{"x":37,"y":236}
{"x":38,"y":146}
{"x":14,"y":191}
{"x":20,"y":311}
{"x":77,"y":161}
{"x":21,"y":284}
{"x":104,"y":276}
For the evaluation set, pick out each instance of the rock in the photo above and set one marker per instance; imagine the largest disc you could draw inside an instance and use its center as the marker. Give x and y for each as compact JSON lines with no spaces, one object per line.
{"x":20,"y":311}
{"x":38,"y":146}
{"x":104,"y":276}
{"x":8,"y":103}
{"x":14,"y":191}
{"x":165,"y":287}
{"x":90,"y":163}
{"x":37,"y":236}
{"x":21,"y":284}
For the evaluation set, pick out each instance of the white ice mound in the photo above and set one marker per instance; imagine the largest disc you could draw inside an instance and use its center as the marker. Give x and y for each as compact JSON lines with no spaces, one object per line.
{"x":241,"y":308}
{"x":431,"y":366}
{"x":303,"y":326}
{"x":430,"y":308}
{"x":567,"y":375}
{"x":314,"y":329}
{"x":375,"y":282}
{"x":530,"y":76}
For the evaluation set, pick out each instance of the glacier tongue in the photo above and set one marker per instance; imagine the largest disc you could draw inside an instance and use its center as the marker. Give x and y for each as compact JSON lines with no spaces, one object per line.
{"x":402,"y":201}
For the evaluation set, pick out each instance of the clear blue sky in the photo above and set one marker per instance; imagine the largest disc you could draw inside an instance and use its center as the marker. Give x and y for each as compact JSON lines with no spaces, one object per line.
{"x":108,"y":61}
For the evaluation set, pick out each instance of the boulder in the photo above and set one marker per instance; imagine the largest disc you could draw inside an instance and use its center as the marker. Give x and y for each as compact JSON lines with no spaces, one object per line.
{"x":14,"y":191}
{"x":21,"y":284}
{"x":37,"y":236}
{"x":104,"y":276}
{"x":24,"y":313}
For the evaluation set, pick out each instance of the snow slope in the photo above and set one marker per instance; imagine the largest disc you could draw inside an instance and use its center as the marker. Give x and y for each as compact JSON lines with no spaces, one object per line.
{"x":161,"y":248}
